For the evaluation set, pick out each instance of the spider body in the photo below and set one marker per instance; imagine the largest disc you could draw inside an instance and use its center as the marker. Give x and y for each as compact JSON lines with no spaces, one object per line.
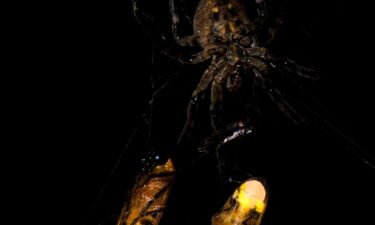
{"x":236,"y":47}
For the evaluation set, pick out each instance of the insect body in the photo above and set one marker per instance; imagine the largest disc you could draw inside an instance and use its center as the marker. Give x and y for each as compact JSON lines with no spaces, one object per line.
{"x":246,"y":206}
{"x":148,"y":197}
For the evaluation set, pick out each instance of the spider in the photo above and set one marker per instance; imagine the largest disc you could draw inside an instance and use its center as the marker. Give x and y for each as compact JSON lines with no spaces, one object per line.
{"x":236,"y":46}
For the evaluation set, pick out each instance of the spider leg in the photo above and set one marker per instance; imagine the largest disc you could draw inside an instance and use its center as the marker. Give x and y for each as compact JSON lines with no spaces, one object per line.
{"x":193,"y":105}
{"x":217,"y":97}
{"x":258,"y":52}
{"x":305,"y":72}
{"x":204,"y":55}
{"x":290,"y":66}
{"x":177,"y":20}
{"x":282,"y":64}
{"x":277,"y":97}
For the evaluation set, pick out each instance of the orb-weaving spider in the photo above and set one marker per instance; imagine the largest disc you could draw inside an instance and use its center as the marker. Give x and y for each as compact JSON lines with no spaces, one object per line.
{"x":236,"y":48}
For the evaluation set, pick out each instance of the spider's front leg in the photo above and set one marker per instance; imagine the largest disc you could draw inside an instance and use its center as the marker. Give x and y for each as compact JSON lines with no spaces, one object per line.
{"x":177,"y":21}
{"x":196,"y":58}
{"x":201,"y":88}
{"x":217,"y":97}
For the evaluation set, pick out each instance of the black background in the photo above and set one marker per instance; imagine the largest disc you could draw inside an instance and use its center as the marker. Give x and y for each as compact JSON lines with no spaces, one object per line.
{"x":98,"y":62}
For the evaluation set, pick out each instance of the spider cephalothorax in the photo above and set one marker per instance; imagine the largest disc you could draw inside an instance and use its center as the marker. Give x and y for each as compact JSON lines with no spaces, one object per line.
{"x":236,"y":47}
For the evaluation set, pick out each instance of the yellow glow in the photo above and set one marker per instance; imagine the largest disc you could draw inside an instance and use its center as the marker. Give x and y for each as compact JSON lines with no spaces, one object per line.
{"x":230,"y":5}
{"x":215,"y":9}
{"x":252,"y":195}
{"x":250,"y":203}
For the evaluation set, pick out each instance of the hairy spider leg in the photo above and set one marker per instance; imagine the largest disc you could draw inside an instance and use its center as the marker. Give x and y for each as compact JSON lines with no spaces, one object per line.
{"x":202,"y":86}
{"x":217,"y":97}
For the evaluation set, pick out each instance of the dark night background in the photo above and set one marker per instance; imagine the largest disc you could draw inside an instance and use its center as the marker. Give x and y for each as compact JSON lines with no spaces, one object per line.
{"x":99,"y":86}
